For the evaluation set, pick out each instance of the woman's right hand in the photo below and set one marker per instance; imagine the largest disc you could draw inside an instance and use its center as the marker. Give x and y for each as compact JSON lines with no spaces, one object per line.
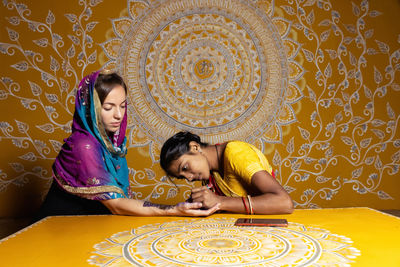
{"x":193,"y":209}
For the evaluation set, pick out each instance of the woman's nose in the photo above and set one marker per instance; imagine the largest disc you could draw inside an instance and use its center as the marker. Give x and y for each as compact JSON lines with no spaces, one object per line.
{"x":118,"y":113}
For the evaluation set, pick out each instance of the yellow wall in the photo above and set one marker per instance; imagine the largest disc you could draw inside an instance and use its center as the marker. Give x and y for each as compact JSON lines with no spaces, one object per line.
{"x":334,"y":140}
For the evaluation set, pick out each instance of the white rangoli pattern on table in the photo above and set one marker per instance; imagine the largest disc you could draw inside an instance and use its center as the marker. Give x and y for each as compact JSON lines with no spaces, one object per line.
{"x":217,"y":242}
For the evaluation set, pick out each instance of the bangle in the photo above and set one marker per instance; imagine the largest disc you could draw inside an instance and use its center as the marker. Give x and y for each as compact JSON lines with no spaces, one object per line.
{"x":245,"y":206}
{"x":251,"y":206}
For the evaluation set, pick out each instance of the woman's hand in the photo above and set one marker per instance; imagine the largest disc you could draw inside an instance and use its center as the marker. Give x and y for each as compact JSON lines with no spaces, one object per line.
{"x":193,"y":209}
{"x":205,"y":196}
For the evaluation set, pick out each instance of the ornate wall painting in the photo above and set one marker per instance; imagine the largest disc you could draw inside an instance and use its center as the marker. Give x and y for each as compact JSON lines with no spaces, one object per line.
{"x":312,"y":83}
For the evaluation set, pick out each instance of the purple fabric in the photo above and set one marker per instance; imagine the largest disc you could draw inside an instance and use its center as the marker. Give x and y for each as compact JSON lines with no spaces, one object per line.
{"x":89,"y":164}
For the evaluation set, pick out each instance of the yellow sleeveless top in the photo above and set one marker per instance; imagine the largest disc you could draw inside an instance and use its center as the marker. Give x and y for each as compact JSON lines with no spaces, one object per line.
{"x":241,"y":162}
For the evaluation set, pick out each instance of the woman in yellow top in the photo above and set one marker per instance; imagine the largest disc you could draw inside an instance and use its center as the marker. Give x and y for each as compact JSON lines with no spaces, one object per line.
{"x":235,"y":175}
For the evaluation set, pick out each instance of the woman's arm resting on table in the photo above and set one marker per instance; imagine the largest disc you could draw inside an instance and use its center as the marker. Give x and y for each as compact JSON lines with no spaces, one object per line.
{"x":126,"y":206}
{"x":271,"y":198}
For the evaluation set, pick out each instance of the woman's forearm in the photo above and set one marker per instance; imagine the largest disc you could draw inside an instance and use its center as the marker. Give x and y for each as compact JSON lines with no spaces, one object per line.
{"x":126,"y":206}
{"x":269,"y":203}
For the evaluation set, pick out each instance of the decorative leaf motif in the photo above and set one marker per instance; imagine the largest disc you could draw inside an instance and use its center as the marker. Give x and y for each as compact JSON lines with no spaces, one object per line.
{"x":308,"y":54}
{"x":276,"y":160}
{"x":356,"y":9}
{"x":64,"y":85}
{"x":377,"y":76}
{"x":350,"y":28}
{"x":310,"y":18}
{"x":22,"y":127}
{"x":353,"y":60}
{"x":71,"y":51}
{"x":322,"y":179}
{"x":390,"y":111}
{"x":71,"y":17}
{"x":328,"y":71}
{"x":396,"y":157}
{"x":368,"y":34}
{"x":50,"y":18}
{"x":377,"y":122}
{"x":332,"y":53}
{"x":289,"y":189}
{"x":3,"y":94}
{"x":74,"y":39}
{"x":378,"y":163}
{"x":52,"y":98}
{"x":95,"y":2}
{"x":356,"y":119}
{"x":54,"y":65}
{"x":325,"y":22}
{"x":339,"y":117}
{"x":369,"y":160}
{"x":309,"y":3}
{"x":21,"y":66}
{"x":380,"y":134}
{"x":374,"y":13}
{"x":18,"y":167}
{"x":325,"y":35}
{"x":290,"y":146}
{"x":304,"y":133}
{"x":92,"y":58}
{"x":357,"y":173}
{"x":172,"y":192}
{"x":288,"y":10}
{"x":17,"y":142}
{"x":27,"y":104}
{"x":43,"y":42}
{"x":365,"y":142}
{"x":395,"y":86}
{"x":384,"y":48}
{"x":28,"y":156}
{"x":311,"y":94}
{"x":47,"y":128}
{"x":384,"y":195}
{"x":13,"y":35}
{"x":90,"y":26}
{"x":56,"y":145}
{"x":367,"y":92}
{"x":346,"y":140}
{"x":36,"y":90}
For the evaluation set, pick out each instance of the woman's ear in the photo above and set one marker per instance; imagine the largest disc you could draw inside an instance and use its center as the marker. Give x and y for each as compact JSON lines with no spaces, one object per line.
{"x":194,"y":147}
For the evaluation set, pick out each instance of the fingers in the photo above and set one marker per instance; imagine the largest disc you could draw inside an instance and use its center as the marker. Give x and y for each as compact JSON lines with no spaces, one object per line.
{"x":199,"y":189}
{"x":189,"y":206}
{"x":206,"y":212}
{"x":199,"y":194}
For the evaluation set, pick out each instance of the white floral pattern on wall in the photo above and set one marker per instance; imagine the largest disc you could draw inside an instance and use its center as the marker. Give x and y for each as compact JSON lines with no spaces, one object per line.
{"x":316,"y":88}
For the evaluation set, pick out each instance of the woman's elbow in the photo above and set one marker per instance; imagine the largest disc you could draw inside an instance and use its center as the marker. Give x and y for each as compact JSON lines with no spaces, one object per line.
{"x":287,"y":207}
{"x":113,"y":206}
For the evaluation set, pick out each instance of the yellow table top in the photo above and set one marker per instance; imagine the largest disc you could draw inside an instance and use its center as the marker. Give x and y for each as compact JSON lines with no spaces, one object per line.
{"x":372,"y":237}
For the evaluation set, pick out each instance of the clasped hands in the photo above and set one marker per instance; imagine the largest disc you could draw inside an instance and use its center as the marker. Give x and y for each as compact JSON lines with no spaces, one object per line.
{"x":203,"y":202}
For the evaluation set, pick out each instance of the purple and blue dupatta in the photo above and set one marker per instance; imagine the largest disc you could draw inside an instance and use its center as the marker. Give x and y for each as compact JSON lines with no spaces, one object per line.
{"x":90,"y":164}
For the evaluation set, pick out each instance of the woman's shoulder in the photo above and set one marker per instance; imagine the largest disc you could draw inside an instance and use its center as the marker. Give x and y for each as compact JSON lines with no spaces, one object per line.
{"x":236,"y":145}
{"x":82,"y":141}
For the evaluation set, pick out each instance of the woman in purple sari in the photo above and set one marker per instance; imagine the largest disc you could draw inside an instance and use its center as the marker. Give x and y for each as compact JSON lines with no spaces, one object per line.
{"x":91,"y":172}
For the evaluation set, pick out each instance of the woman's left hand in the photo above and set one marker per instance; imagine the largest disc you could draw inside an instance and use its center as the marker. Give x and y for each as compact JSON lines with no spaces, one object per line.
{"x":193,"y":209}
{"x":205,"y":196}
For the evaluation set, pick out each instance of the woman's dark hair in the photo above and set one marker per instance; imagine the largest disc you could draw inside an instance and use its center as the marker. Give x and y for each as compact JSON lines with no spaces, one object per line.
{"x":106,"y":82}
{"x":176,"y":146}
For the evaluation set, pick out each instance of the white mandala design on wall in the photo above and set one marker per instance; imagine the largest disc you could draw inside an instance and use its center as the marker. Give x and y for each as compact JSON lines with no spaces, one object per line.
{"x":222,"y":69}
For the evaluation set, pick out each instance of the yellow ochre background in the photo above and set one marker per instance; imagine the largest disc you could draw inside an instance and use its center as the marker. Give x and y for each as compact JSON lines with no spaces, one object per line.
{"x":334,"y":140}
